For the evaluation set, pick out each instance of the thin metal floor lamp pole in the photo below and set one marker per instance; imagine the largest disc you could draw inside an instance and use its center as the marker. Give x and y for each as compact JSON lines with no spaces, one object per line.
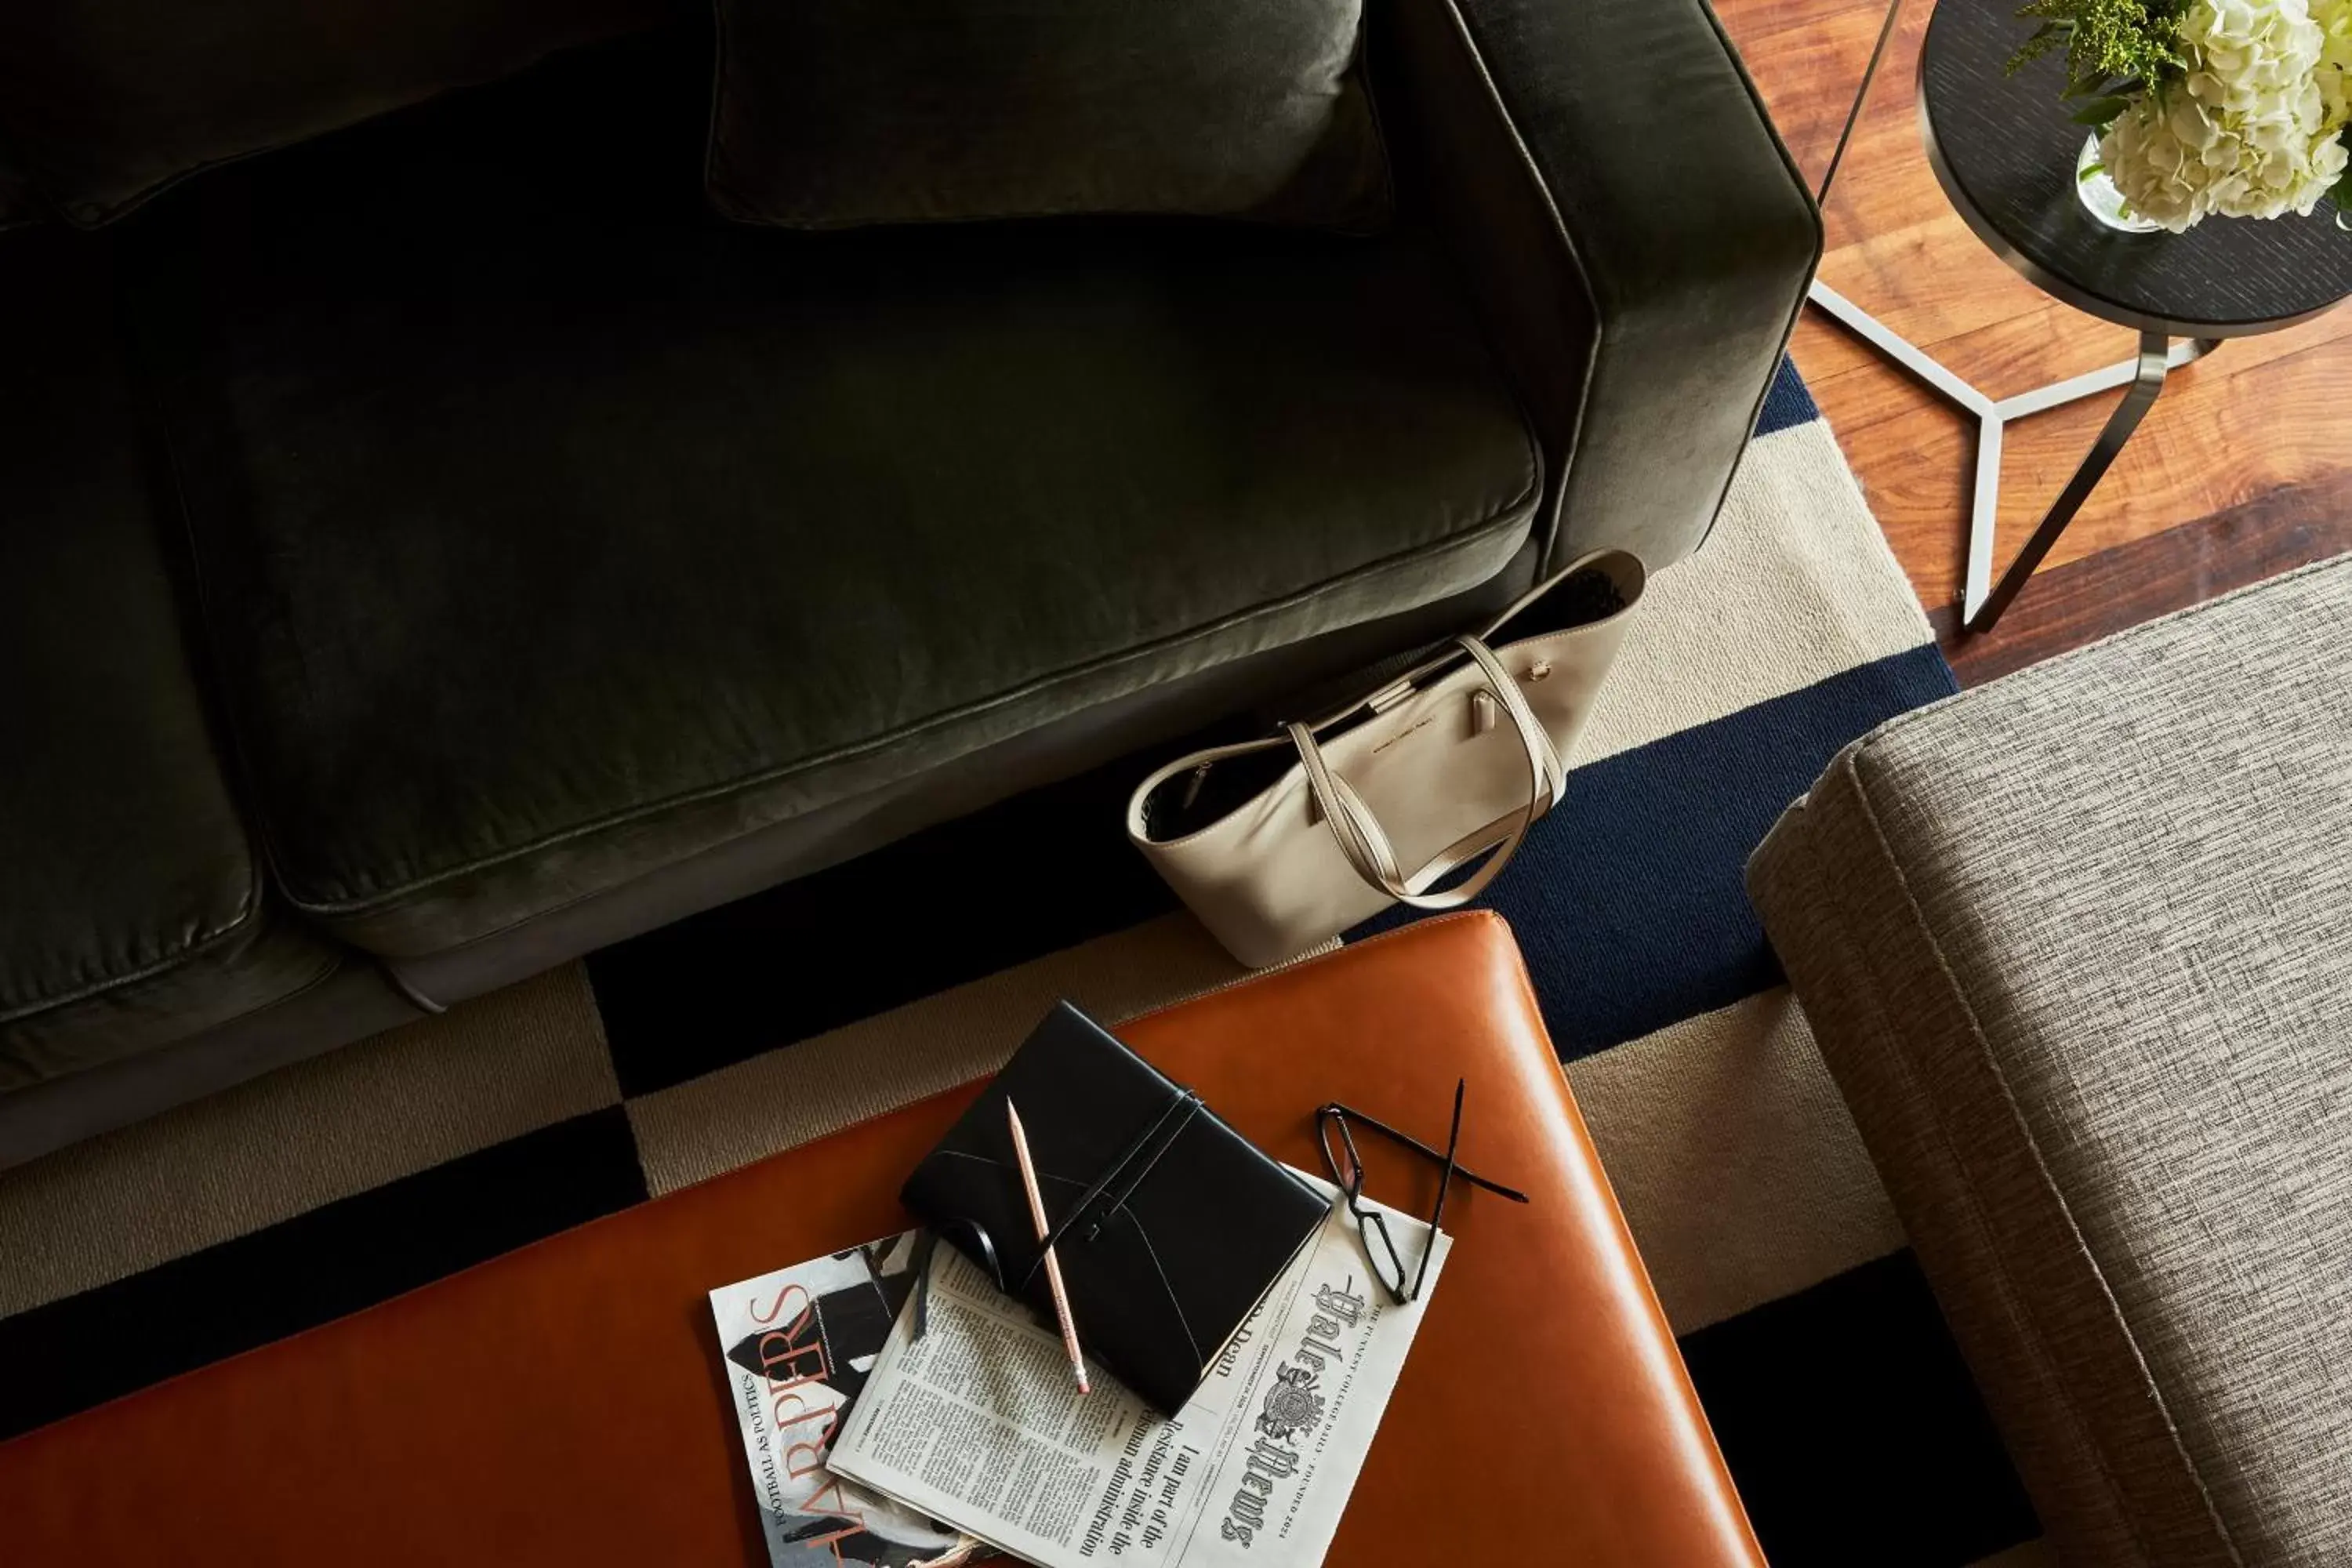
{"x":1981,"y":600}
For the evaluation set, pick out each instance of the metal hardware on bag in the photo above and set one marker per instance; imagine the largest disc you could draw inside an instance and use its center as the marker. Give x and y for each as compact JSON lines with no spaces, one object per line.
{"x":1484,"y":713}
{"x":1193,"y":786}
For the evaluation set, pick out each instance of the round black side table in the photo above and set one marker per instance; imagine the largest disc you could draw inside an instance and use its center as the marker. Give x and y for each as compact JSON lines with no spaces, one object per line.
{"x":2004,"y":151}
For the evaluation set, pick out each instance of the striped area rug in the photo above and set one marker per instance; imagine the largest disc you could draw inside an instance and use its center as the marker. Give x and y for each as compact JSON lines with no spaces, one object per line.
{"x":1849,"y":1423}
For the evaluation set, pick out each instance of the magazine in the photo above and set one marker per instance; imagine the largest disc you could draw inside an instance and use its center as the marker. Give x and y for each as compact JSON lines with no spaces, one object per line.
{"x":800,"y":1345}
{"x":979,"y":1423}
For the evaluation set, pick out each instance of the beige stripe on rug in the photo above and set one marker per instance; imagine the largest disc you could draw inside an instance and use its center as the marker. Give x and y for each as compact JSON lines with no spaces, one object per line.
{"x":1735,"y":1161}
{"x":1796,"y":584}
{"x":504,"y":1065}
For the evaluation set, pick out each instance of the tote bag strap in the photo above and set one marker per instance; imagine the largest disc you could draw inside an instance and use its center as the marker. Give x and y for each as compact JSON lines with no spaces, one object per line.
{"x":1366,"y":844}
{"x":1541,"y":753}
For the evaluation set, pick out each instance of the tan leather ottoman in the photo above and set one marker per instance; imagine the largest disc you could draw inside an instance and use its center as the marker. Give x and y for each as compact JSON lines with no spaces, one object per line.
{"x":566,"y":1403}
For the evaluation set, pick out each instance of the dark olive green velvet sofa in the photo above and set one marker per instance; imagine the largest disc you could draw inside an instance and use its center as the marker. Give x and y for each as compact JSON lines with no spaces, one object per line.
{"x":432,"y":550}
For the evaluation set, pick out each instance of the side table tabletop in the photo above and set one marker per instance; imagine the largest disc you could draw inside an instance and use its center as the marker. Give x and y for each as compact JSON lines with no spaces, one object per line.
{"x":567,"y":1402}
{"x":2004,"y":151}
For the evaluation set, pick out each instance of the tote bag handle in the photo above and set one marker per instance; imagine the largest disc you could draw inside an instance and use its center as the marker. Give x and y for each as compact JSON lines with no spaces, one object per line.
{"x":1366,"y":844}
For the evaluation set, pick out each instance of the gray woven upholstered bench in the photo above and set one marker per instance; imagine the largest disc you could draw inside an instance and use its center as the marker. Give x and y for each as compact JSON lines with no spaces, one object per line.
{"x":2077,"y":947}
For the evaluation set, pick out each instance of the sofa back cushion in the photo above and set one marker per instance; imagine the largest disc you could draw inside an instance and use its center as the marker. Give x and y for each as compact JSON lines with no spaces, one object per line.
{"x":104,"y":102}
{"x":833,"y":116}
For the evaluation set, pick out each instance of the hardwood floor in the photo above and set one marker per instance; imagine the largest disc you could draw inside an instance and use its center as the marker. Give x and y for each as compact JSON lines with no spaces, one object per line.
{"x":2247,"y":457}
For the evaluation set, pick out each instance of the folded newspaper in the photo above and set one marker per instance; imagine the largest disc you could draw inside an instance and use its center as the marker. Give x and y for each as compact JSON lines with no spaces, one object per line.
{"x":868,"y":1445}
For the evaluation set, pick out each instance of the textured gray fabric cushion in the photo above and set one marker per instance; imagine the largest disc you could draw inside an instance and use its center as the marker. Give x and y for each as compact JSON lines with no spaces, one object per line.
{"x":2078,"y":949}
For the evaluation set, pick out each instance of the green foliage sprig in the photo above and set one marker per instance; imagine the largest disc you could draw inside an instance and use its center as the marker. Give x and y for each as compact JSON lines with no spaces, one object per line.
{"x":2113,"y":49}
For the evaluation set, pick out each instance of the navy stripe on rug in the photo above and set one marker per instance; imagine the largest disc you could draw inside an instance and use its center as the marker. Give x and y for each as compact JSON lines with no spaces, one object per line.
{"x":1853,"y":1430}
{"x":1627,"y":900}
{"x":1787,"y":401}
{"x":336,"y":1259}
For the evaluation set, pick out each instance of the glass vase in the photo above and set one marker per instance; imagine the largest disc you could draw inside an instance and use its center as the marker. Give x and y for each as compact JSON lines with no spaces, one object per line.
{"x":2101,"y":199}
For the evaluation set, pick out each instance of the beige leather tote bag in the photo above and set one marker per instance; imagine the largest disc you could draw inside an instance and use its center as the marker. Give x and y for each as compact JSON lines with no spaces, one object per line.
{"x":1280,"y":844}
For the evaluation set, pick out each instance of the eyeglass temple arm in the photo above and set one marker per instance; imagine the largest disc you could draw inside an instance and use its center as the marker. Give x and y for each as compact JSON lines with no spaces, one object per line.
{"x":1336,"y":1109}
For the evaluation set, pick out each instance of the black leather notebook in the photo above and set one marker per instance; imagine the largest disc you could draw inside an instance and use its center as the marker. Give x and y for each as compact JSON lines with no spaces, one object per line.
{"x":1168,"y":1224}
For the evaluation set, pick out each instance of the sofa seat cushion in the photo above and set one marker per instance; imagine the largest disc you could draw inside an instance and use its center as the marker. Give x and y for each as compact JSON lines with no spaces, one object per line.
{"x":2075,"y":946}
{"x":554,"y":532}
{"x":132,"y":909}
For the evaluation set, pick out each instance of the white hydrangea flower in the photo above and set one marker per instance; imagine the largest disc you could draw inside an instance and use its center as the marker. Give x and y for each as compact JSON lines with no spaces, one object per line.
{"x":2162,"y":172}
{"x":2291,"y":176}
{"x":2252,"y":58}
{"x":2251,"y":132}
{"x":2335,"y":75}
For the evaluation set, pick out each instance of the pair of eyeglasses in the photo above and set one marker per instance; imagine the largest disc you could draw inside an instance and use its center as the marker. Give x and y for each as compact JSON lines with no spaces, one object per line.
{"x":1337,"y":1122}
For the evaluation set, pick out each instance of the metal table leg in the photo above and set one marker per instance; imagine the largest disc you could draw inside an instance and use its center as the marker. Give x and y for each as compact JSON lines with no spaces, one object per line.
{"x":2158,"y":356}
{"x":1981,"y":601}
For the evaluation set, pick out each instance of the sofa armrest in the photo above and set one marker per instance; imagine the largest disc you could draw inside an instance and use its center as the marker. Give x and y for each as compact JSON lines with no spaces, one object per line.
{"x":1638,"y":240}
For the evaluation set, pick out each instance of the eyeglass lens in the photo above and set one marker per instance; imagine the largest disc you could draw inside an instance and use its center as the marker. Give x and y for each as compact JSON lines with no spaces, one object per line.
{"x":1369,"y":1223}
{"x":1346,"y":1167}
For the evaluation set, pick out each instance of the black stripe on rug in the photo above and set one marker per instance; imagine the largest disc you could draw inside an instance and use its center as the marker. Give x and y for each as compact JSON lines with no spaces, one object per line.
{"x":951,"y":904}
{"x":337,"y":1258}
{"x":1853,"y":1429}
{"x":1627,"y":901}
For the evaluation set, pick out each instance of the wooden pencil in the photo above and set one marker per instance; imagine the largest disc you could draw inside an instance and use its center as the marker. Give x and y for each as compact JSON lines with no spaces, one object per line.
{"x":1052,"y":1264}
